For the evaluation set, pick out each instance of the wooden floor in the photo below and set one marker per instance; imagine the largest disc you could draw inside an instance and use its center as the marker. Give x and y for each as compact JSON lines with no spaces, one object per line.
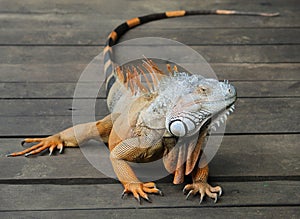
{"x":44,"y":46}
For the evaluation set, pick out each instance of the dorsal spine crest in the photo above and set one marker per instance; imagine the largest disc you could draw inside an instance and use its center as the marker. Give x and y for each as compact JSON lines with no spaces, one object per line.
{"x":142,"y":79}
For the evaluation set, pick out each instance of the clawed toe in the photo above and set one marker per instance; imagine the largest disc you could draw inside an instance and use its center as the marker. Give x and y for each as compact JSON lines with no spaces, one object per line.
{"x":141,"y":190}
{"x":203,"y":189}
{"x":189,"y":194}
{"x":27,"y":154}
{"x":148,"y":199}
{"x":43,"y":144}
{"x":160,"y":193}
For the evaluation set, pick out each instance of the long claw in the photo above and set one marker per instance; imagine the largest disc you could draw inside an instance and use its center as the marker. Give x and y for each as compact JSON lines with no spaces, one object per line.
{"x":220,"y":192}
{"x":28,"y":154}
{"x":188,"y":195}
{"x":23,"y":143}
{"x":9,"y":155}
{"x":201,"y":199}
{"x":148,"y":199}
{"x":160,"y":193}
{"x":216,"y":199}
{"x":124,"y":194}
{"x":61,"y":150}
{"x":138,"y":199}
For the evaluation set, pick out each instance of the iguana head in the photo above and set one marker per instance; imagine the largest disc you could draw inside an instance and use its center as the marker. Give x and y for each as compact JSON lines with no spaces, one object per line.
{"x":198,"y":102}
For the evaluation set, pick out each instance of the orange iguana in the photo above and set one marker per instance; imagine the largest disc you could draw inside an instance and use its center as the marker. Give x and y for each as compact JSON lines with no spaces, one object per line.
{"x":164,"y":109}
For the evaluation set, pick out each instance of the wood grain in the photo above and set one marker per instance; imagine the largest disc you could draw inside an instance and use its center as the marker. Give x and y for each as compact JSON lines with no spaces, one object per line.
{"x":238,"y":158}
{"x":240,"y":212}
{"x":80,"y":197}
{"x":45,"y":46}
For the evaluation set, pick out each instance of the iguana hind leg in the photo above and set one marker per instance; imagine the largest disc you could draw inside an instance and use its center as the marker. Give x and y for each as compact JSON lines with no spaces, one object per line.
{"x":70,"y":137}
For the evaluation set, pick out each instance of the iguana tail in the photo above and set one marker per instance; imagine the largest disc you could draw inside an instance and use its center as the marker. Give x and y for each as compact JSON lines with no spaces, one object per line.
{"x":120,"y":30}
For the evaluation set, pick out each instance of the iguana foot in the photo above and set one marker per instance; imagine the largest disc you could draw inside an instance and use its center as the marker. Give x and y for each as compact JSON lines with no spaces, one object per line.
{"x":204,"y":189}
{"x":51,"y":143}
{"x":140,"y":190}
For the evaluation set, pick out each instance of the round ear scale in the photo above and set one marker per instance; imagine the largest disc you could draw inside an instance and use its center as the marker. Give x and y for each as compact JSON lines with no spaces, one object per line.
{"x":178,"y":128}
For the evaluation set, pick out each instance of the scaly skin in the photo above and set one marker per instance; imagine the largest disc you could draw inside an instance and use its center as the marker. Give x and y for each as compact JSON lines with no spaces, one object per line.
{"x":139,"y":143}
{"x":144,"y":141}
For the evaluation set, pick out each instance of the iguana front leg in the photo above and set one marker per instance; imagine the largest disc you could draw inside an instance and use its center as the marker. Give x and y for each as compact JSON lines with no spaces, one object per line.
{"x":201,"y":186}
{"x":71,"y":137}
{"x":136,"y":149}
{"x":200,"y":175}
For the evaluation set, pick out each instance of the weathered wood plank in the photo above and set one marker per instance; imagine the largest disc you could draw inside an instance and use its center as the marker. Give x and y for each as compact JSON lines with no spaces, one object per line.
{"x":67,"y":72}
{"x":265,"y":115}
{"x":268,"y":89}
{"x":33,"y":125}
{"x":213,"y":54}
{"x":101,"y":24}
{"x":253,"y":115}
{"x":66,"y":90}
{"x":70,"y":6}
{"x":173,"y":213}
{"x":70,"y":167}
{"x":44,"y":90}
{"x":54,"y":25}
{"x":240,"y":72}
{"x":60,"y":197}
{"x":238,"y":158}
{"x":25,"y":72}
{"x":221,"y":36}
{"x":103,"y":13}
{"x":49,"y":107}
{"x":242,"y":49}
{"x":196,"y":36}
{"x":249,"y":54}
{"x":258,"y":155}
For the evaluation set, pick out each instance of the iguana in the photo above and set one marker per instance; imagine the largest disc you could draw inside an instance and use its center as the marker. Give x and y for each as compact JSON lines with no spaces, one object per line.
{"x":164,"y":109}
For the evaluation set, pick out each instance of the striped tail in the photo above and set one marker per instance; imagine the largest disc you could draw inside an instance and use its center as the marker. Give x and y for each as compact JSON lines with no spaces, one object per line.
{"x":120,"y":30}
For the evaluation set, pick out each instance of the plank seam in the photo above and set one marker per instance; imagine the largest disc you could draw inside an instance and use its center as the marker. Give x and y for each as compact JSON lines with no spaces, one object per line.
{"x":189,"y":44}
{"x":103,"y":98}
{"x":100,"y":181}
{"x":225,"y":134}
{"x":102,"y":45}
{"x":157,"y":207}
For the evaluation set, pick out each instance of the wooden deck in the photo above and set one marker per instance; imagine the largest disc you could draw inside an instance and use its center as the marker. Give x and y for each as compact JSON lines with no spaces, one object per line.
{"x":46,"y":45}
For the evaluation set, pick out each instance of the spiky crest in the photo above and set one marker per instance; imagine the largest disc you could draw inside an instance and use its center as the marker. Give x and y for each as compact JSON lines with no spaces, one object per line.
{"x":136,"y":78}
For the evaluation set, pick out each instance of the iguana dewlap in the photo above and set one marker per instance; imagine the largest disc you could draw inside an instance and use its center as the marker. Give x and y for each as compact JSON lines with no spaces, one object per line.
{"x":164,"y":116}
